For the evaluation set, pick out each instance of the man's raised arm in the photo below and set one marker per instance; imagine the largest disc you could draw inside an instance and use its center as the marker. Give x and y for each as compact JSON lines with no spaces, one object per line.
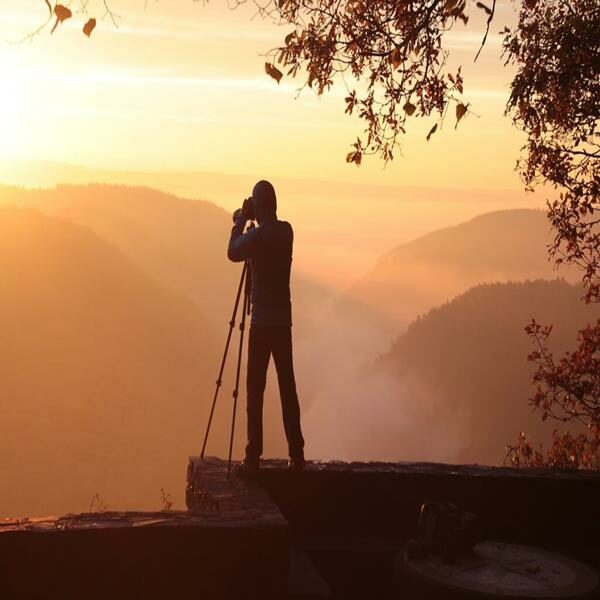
{"x":241,"y":244}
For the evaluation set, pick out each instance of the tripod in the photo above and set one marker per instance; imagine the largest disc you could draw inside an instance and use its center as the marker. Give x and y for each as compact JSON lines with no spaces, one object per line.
{"x":245,"y":284}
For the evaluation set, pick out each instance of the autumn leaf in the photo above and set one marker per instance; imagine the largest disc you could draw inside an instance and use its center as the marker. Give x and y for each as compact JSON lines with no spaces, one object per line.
{"x":409,"y":108}
{"x":89,"y":27}
{"x":461,"y":111}
{"x":354,"y":157}
{"x":273,"y":71}
{"x":487,"y":9}
{"x":62,"y":14}
{"x":395,"y":58}
{"x":350,"y":102}
{"x":432,"y":131}
{"x":312,"y":75}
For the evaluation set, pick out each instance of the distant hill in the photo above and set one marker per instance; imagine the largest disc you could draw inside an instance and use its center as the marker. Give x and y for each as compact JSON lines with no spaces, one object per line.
{"x":342,"y":226}
{"x":181,"y":243}
{"x":414,"y":277}
{"x":159,"y":263}
{"x":113,"y":310}
{"x":222,"y":186}
{"x":104,"y":373}
{"x":466,"y":364}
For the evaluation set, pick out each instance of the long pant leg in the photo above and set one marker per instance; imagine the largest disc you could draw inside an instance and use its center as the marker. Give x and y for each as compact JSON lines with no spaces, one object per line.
{"x":282,"y":355}
{"x":259,"y":352}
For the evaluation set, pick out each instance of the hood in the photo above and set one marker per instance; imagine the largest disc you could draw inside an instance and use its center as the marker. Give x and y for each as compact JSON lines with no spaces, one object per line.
{"x":264,"y":202}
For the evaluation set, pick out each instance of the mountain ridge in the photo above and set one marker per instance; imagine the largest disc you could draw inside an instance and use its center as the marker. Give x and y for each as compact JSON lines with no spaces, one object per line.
{"x":505,"y":245}
{"x":104,"y":372}
{"x":471,"y":353}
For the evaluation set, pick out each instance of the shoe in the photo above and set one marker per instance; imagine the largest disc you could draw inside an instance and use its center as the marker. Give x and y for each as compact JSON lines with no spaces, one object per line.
{"x":249,"y":469}
{"x":296,"y":465}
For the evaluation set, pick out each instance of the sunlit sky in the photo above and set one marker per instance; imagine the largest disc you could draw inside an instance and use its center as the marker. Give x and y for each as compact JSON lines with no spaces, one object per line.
{"x":180,"y":85}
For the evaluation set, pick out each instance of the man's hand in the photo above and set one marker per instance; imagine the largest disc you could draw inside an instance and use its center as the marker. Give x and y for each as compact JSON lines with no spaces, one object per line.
{"x":242,"y":215}
{"x":240,"y":243}
{"x":237,"y":213}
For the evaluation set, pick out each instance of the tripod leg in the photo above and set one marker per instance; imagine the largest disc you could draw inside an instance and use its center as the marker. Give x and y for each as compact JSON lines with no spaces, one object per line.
{"x":224,"y":359}
{"x":237,"y":379}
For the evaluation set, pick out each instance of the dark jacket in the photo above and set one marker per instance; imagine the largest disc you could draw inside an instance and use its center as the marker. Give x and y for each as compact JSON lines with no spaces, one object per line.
{"x":269,"y":248}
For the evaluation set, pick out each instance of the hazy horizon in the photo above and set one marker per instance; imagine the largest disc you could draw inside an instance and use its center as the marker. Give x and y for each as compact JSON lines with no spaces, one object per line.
{"x":178,"y":245}
{"x":333,"y":220}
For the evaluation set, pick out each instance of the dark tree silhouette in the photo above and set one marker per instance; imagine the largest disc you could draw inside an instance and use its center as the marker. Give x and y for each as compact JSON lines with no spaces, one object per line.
{"x":567,"y":391}
{"x":555,"y":99}
{"x":390,"y":54}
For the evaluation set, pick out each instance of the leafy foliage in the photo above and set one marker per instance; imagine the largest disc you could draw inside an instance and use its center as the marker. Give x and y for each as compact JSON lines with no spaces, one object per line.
{"x":567,"y":391}
{"x":576,"y":390}
{"x":567,"y":451}
{"x":392,"y":52}
{"x":555,"y":99}
{"x":166,"y":500}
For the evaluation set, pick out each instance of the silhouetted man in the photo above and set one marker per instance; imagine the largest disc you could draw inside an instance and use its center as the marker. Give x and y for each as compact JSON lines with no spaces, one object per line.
{"x":269,"y":248}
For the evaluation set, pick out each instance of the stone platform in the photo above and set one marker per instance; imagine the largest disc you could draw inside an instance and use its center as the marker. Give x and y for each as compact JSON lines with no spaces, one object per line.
{"x":209,"y":487}
{"x":206,"y":555}
{"x":352,"y":520}
{"x":530,"y":506}
{"x":333,"y":531}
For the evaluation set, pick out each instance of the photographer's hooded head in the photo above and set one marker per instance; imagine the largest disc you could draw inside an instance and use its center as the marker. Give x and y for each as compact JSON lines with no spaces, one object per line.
{"x":264,"y":202}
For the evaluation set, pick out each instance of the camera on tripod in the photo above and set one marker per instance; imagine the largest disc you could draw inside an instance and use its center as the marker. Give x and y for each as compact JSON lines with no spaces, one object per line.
{"x":247,"y":209}
{"x":244,"y":291}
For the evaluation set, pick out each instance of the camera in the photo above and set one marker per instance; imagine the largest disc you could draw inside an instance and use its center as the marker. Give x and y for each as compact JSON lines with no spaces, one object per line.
{"x":248,"y":210}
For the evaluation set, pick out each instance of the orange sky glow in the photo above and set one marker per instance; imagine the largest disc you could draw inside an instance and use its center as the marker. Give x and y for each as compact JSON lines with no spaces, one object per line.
{"x":180,"y":87}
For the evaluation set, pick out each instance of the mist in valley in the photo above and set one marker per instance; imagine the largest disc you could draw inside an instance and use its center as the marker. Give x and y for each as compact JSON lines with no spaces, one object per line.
{"x":115,"y":307}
